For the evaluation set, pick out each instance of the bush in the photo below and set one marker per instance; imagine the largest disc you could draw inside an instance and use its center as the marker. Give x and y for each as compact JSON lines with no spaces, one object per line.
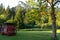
{"x":35,"y":29}
{"x":49,"y":26}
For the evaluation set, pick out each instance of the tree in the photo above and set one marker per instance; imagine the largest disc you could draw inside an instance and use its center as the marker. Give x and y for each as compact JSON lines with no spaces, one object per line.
{"x":53,"y":16}
{"x":17,"y":15}
{"x":11,"y":15}
{"x":2,"y":9}
{"x":37,"y":12}
{"x":7,"y":13}
{"x":53,"y":20}
{"x":13,"y":9}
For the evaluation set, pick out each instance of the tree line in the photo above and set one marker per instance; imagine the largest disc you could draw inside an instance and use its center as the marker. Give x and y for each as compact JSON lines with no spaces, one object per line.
{"x":31,"y":15}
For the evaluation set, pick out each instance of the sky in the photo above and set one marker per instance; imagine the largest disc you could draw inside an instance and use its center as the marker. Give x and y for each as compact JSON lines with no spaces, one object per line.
{"x":11,"y":3}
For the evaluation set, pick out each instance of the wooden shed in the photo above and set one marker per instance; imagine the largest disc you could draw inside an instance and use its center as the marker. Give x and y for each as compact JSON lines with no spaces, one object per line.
{"x":8,"y":29}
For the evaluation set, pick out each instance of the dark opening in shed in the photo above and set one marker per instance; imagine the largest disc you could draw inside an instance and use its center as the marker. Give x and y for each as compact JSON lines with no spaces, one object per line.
{"x":8,"y":29}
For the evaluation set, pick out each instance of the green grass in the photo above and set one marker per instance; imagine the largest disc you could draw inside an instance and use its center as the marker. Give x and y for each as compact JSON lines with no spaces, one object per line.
{"x":30,"y":35}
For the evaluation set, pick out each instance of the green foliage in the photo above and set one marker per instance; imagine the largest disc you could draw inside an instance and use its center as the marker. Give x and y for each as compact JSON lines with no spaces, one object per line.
{"x":17,"y":13}
{"x":17,"y":16}
{"x":36,"y":14}
{"x":2,"y":10}
{"x":7,"y":13}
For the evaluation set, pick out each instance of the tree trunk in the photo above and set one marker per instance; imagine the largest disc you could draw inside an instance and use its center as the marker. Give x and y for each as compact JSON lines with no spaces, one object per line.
{"x":53,"y":21}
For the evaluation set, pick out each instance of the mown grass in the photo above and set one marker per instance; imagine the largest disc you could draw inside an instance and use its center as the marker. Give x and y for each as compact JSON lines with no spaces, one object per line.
{"x":30,"y":35}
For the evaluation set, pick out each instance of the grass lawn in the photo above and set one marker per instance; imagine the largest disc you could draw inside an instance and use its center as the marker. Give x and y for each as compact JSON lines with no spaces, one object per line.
{"x":30,"y":35}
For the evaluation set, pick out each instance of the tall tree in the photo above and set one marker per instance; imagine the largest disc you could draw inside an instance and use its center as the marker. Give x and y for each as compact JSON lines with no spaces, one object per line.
{"x":53,"y":20}
{"x":7,"y":13}
{"x":53,"y":16}
{"x":2,"y":9}
{"x":19,"y":17}
{"x":12,"y":14}
{"x":37,"y":11}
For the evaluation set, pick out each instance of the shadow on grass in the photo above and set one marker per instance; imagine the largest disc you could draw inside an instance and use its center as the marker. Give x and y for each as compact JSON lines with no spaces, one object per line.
{"x":34,"y":35}
{"x":30,"y":35}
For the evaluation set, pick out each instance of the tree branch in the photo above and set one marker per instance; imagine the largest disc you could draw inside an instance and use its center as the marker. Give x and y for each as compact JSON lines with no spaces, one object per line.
{"x":47,"y":1}
{"x":56,"y":2}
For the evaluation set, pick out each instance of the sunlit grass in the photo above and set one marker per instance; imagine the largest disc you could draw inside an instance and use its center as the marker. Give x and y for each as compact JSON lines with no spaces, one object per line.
{"x":58,"y":31}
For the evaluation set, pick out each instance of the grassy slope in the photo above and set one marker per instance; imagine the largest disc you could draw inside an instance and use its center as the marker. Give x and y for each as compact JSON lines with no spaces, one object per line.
{"x":30,"y":35}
